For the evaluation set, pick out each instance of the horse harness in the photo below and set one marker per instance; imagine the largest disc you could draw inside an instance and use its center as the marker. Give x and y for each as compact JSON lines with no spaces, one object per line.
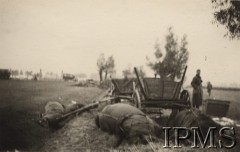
{"x":120,"y":121}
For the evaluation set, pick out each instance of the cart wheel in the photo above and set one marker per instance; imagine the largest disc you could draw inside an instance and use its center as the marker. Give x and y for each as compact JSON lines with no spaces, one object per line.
{"x":136,"y":99}
{"x":184,"y":96}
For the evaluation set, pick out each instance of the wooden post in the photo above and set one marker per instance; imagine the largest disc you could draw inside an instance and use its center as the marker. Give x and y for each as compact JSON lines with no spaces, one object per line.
{"x":140,"y":83}
{"x":181,"y":82}
{"x":184,"y":73}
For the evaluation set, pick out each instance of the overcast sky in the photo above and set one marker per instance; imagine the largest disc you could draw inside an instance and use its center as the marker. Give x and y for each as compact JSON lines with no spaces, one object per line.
{"x":69,"y":35}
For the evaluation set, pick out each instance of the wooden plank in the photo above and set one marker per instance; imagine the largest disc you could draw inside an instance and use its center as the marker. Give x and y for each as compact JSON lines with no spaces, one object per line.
{"x":124,"y":85}
{"x":152,"y":110}
{"x":154,"y":87}
{"x":140,"y":83}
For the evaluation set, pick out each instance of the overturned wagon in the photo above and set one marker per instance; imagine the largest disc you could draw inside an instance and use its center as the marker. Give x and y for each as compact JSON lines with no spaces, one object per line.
{"x":157,"y":93}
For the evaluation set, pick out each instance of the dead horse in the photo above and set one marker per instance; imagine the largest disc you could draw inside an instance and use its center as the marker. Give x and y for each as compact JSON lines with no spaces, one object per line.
{"x":52,"y":117}
{"x":126,"y":122}
{"x":193,"y":118}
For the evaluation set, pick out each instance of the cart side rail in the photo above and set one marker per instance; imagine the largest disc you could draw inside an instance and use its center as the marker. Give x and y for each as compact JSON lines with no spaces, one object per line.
{"x":123,"y":86}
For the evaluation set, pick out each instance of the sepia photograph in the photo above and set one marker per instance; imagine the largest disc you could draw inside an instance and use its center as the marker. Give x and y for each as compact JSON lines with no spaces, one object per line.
{"x":119,"y":75}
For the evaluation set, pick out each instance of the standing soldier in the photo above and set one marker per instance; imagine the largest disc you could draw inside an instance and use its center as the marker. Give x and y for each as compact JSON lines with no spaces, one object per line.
{"x":209,"y":88}
{"x":197,"y":90}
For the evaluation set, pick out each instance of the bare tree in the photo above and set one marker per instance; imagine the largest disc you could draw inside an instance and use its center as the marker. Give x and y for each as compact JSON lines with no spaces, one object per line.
{"x":28,"y":73}
{"x":101,"y":65}
{"x":21,"y":72}
{"x":105,"y":66}
{"x":14,"y":73}
{"x":109,"y":66}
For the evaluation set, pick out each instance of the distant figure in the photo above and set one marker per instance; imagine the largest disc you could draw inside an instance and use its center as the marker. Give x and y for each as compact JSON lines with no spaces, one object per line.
{"x":209,"y":88}
{"x":197,"y":90}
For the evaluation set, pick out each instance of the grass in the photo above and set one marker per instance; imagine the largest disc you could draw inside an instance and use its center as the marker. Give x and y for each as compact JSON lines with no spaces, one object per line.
{"x":228,"y":95}
{"x":74,"y":138}
{"x":21,"y":101}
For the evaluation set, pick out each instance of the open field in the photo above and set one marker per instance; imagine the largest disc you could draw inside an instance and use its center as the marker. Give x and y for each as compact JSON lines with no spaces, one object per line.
{"x":88,"y":137}
{"x":229,"y":95}
{"x":20,"y":101}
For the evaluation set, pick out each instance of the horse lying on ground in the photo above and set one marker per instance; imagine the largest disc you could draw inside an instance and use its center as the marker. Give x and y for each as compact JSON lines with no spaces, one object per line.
{"x":194,"y":118}
{"x":52,"y":117}
{"x":126,"y":122}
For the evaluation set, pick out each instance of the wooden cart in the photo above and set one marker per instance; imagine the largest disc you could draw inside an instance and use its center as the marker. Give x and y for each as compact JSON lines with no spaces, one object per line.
{"x":155,"y":94}
{"x":122,"y":89}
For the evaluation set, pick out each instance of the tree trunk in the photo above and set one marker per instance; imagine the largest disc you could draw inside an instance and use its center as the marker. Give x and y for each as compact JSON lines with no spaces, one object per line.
{"x":100,"y":75}
{"x":106,"y":73}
